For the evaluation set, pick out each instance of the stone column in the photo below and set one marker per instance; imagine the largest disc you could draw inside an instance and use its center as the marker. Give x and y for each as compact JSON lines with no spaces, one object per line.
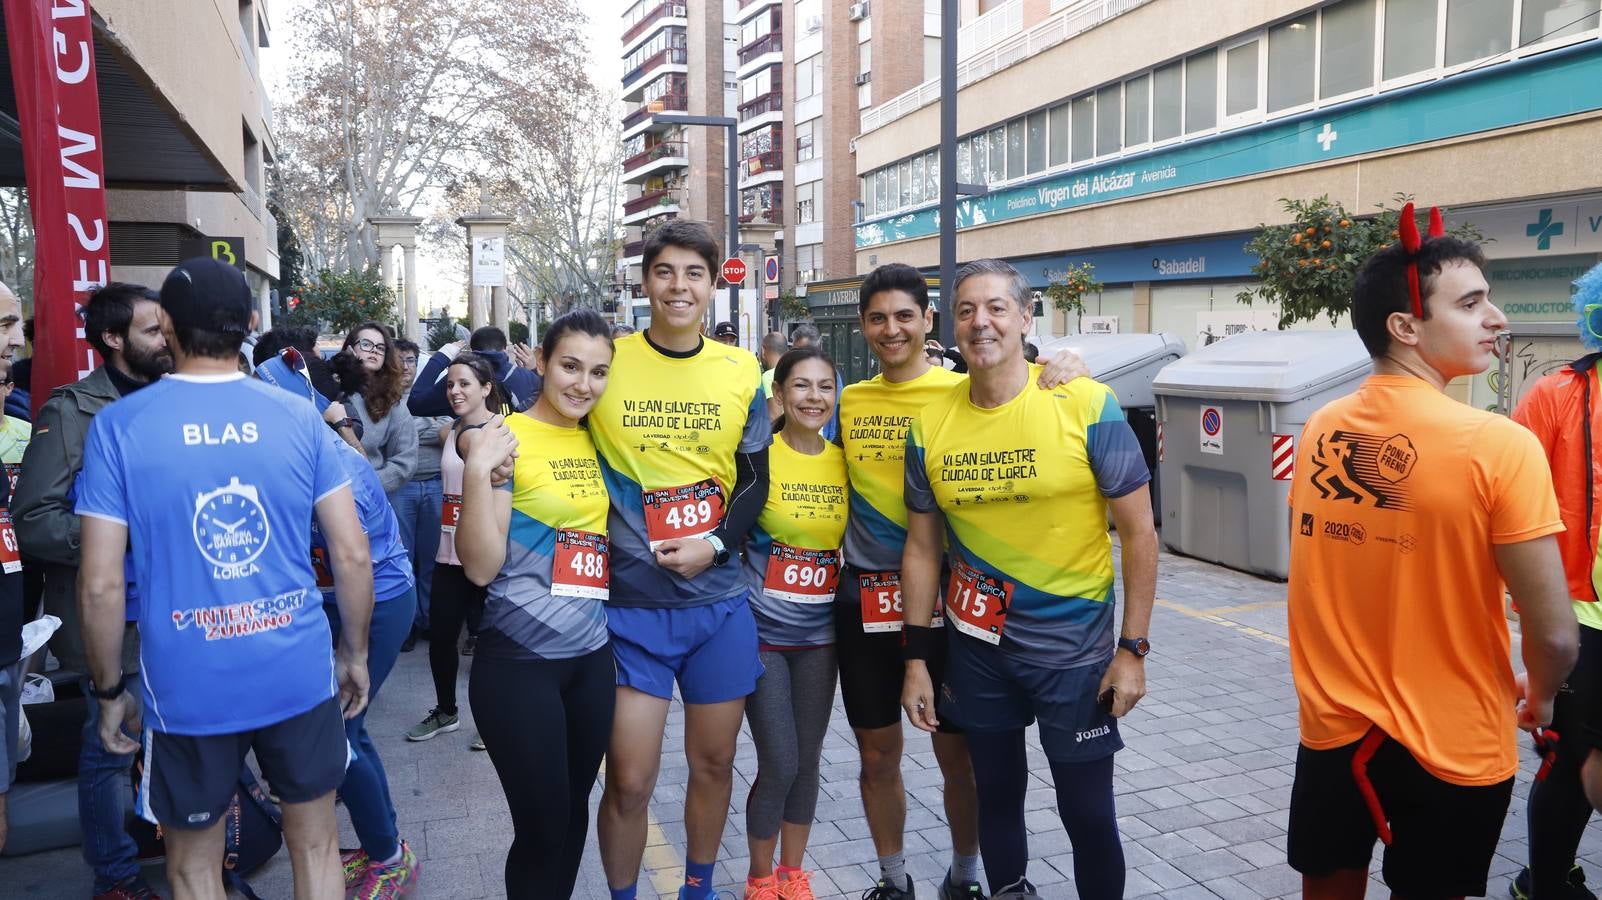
{"x":401,"y":231}
{"x":485,"y":224}
{"x":413,"y":326}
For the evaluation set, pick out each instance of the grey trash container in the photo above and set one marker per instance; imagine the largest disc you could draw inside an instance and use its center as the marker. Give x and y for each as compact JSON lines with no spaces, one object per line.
{"x":1232,"y":416}
{"x":1127,"y":363}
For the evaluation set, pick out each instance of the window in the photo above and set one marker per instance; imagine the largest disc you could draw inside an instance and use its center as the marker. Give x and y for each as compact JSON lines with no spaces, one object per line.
{"x":760,"y":204}
{"x":803,"y":140}
{"x":1035,"y":140}
{"x":806,"y":197}
{"x":931,"y":175}
{"x":1201,"y":91}
{"x":809,"y":77}
{"x":964,"y":161}
{"x":998,"y":155}
{"x":1546,"y":20}
{"x":1167,"y":104}
{"x":760,"y":141}
{"x":1476,"y":29}
{"x":867,"y":195}
{"x":808,"y":262}
{"x":1240,"y":79}
{"x":981,"y":157}
{"x":881,"y":190}
{"x":757,"y":84}
{"x":1015,"y":148}
{"x":1059,"y":134}
{"x":1084,"y":133}
{"x":1109,"y":120}
{"x":1346,"y":63}
{"x":758,"y":28}
{"x":1409,"y":37}
{"x":917,"y":189}
{"x":864,"y":57}
{"x":904,"y":172}
{"x":1291,"y":50}
{"x":894,"y":197}
{"x":1137,"y":108}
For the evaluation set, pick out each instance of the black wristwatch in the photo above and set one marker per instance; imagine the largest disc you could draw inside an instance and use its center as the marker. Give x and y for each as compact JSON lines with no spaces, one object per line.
{"x":110,"y":693}
{"x":720,"y":553}
{"x":1138,"y":646}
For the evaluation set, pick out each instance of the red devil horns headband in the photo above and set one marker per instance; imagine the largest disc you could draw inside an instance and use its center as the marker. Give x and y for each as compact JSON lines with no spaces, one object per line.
{"x":1412,"y":243}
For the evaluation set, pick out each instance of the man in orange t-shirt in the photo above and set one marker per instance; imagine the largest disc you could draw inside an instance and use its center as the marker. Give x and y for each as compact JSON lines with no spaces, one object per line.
{"x":1408,"y":511}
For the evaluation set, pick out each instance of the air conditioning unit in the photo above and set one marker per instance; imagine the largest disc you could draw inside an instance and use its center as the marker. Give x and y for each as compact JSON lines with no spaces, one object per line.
{"x":677,"y":11}
{"x":858,"y":12}
{"x":864,"y":77}
{"x":852,"y":146}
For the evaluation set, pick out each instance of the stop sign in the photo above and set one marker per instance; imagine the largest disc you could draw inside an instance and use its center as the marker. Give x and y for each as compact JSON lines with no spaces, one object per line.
{"x":734,"y":270}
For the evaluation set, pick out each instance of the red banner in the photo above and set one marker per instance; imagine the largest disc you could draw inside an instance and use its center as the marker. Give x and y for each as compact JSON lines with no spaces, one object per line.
{"x":58,"y":103}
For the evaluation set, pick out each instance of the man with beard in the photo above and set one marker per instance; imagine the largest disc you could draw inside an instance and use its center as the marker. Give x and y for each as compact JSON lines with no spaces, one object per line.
{"x":123,"y":323}
{"x":11,"y":613}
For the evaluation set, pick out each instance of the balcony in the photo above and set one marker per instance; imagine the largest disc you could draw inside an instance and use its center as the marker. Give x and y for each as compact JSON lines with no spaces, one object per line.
{"x":672,"y":101}
{"x":770,"y":215}
{"x":662,"y":11}
{"x":664,"y":150}
{"x":770,"y":162}
{"x":652,"y":204}
{"x":771,"y":102}
{"x":634,"y":249}
{"x":675,"y":56}
{"x":772,"y":42}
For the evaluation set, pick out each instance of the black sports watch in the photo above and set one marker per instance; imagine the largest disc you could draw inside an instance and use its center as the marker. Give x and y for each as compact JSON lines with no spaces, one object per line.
{"x":720,"y":553}
{"x":110,"y":693}
{"x":1138,"y":646}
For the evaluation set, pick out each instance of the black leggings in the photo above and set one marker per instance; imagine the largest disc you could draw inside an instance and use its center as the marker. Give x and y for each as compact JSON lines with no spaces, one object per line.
{"x":1084,"y":802}
{"x":1558,"y":810}
{"x":545,"y":723}
{"x":453,"y":601}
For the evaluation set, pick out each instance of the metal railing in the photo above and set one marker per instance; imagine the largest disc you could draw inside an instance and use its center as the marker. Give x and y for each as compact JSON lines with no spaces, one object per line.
{"x":767,"y":161}
{"x":1075,"y":19}
{"x":651,"y":154}
{"x":677,"y":101}
{"x":772,"y":42}
{"x":664,"y":197}
{"x":772,"y":101}
{"x":674,"y":55}
{"x":660,"y":12}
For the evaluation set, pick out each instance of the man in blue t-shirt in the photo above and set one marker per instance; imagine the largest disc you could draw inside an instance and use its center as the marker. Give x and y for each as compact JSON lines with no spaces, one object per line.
{"x":214,"y":479}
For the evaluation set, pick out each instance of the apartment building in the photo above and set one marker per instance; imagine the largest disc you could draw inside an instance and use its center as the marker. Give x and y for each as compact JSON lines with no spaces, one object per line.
{"x":1151,"y":137}
{"x":798,"y":75}
{"x":185,"y":156}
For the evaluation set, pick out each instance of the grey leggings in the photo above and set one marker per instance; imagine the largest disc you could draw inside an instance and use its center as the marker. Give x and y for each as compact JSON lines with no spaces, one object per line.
{"x":789,"y":715}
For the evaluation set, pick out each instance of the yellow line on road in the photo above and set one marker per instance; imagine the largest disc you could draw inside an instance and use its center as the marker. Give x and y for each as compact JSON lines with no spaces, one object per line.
{"x":1214,"y":616}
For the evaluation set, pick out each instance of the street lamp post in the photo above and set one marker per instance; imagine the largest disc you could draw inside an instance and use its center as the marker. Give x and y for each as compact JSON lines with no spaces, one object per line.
{"x":729,"y":123}
{"x":950,"y":190}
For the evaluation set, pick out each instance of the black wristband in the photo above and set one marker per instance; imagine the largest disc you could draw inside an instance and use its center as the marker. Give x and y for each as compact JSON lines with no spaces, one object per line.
{"x":917,"y":642}
{"x":112,"y":692}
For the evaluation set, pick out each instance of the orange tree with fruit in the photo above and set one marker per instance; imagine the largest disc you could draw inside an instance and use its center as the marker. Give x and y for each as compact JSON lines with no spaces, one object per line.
{"x":1309,"y":265}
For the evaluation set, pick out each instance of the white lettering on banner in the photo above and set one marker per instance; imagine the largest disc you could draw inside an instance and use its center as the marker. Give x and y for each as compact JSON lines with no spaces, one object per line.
{"x":86,"y":178}
{"x":71,"y":76}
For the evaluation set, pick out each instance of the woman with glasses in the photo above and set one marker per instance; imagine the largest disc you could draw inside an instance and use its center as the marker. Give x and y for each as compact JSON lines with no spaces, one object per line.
{"x":388,"y":434}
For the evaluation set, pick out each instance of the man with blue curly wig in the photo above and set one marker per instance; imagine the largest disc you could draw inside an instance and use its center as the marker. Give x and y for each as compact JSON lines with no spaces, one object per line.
{"x":1564,"y":410}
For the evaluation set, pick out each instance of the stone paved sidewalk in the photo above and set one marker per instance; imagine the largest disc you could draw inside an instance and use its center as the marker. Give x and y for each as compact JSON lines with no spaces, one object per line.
{"x":1203,"y":785}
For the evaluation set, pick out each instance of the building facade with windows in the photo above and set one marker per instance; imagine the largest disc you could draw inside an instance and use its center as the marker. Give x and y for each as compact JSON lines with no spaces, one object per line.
{"x":1151,"y":137}
{"x":677,"y":58}
{"x":185,"y":157}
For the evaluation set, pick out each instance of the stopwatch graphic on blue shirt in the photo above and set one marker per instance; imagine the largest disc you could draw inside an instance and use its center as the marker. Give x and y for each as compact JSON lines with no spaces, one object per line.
{"x":230,"y":524}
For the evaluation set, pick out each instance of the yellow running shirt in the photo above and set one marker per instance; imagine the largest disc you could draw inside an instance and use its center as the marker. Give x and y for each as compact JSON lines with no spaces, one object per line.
{"x":874,"y":416}
{"x":792,"y":562}
{"x":546,"y":603}
{"x":1023,"y":489}
{"x":667,"y":430}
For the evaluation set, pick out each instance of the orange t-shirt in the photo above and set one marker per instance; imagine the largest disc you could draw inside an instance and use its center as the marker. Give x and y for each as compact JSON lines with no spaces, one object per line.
{"x":1396,"y":615}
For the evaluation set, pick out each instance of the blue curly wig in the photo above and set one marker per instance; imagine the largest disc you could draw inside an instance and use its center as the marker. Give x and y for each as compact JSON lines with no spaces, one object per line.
{"x":1588,"y":292}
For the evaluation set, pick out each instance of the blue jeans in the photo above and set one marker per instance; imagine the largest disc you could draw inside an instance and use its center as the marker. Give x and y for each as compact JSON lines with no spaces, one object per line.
{"x":102,"y":788}
{"x":366,"y":788}
{"x":418,"y":505}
